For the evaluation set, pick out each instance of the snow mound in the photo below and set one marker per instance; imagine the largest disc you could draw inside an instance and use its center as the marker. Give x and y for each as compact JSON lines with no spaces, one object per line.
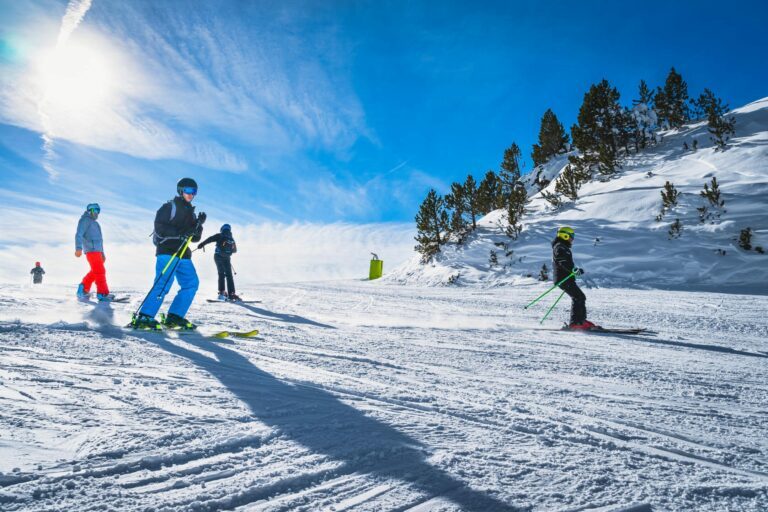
{"x":618,"y":239}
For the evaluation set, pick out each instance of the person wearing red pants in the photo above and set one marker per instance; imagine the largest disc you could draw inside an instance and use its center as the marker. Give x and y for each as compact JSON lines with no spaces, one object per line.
{"x":88,"y":239}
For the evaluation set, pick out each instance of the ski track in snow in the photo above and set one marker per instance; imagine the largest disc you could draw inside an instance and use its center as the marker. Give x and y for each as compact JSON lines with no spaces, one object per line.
{"x":369,"y":396}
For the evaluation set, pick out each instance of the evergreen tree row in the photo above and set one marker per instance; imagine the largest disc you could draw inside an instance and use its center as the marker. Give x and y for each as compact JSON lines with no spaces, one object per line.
{"x":605,"y":133}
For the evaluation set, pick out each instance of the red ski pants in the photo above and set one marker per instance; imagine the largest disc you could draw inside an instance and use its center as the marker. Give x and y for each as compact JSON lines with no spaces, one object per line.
{"x":97,"y":274}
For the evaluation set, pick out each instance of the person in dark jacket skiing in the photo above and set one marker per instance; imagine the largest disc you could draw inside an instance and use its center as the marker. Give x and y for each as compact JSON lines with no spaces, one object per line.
{"x":225,"y":248}
{"x":562,"y":263}
{"x":175,"y":222}
{"x":88,"y":240}
{"x":37,"y":273}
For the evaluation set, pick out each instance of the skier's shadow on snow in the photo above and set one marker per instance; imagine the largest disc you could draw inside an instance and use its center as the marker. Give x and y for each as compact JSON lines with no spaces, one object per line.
{"x":323,"y":424}
{"x":282,"y":317}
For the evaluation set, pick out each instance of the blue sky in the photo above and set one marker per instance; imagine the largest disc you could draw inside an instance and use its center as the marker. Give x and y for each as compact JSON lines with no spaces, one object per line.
{"x":326,"y":112}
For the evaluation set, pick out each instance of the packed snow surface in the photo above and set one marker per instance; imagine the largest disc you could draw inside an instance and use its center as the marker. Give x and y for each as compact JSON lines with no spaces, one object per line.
{"x":371,"y":396}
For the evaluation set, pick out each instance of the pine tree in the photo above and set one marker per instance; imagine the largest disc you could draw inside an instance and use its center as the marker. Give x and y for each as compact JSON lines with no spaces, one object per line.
{"x":676,"y":229}
{"x":515,"y":209}
{"x":571,"y":178}
{"x":544,"y":273}
{"x":489,"y":193}
{"x":720,"y":127}
{"x":645,"y":117}
{"x":599,"y":122}
{"x":668,"y":199}
{"x":456,"y":202}
{"x":745,"y":239}
{"x":431,"y":222}
{"x":471,"y":200}
{"x":553,"y":199}
{"x":493,"y":259}
{"x":552,"y":139}
{"x":671,"y":102}
{"x":509,"y":174}
{"x":713,"y":194}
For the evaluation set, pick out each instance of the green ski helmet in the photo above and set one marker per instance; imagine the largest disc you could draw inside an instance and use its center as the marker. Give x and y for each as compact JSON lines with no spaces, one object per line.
{"x":565,"y":233}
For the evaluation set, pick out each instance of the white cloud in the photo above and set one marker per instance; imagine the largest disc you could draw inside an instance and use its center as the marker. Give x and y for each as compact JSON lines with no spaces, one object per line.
{"x":175,"y":82}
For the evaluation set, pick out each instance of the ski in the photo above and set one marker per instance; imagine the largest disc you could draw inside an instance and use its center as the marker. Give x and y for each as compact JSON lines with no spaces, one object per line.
{"x":606,"y":330}
{"x":235,"y":301}
{"x":182,"y":332}
{"x":235,"y":334}
{"x":89,"y":300}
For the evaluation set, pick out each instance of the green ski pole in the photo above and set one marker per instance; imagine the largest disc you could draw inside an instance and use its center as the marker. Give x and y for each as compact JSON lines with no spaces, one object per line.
{"x":537,"y":299}
{"x":552,"y":307}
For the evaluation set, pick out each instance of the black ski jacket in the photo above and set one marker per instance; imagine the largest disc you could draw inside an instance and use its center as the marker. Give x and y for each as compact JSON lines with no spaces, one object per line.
{"x":174,"y":221}
{"x":562,"y":259}
{"x":225,"y":244}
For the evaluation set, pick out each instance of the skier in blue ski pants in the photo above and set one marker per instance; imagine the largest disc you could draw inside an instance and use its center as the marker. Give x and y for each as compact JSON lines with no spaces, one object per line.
{"x":185,"y":275}
{"x":175,"y":223}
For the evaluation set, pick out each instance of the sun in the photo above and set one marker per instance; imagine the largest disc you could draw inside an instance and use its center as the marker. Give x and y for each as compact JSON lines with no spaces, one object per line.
{"x":75,"y":76}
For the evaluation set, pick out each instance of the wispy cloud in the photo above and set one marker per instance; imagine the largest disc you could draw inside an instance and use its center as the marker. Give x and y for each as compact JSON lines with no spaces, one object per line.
{"x":72,"y":17}
{"x":205,"y":85}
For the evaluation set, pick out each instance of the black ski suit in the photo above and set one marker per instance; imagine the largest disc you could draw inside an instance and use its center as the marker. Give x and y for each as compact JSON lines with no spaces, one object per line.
{"x":225,"y":248}
{"x":562,"y":262}
{"x":37,"y":275}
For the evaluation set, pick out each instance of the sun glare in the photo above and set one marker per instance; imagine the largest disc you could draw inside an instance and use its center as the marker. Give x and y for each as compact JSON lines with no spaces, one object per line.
{"x":75,"y":77}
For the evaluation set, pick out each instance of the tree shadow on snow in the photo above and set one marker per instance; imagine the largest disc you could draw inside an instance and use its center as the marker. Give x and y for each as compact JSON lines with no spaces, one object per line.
{"x":282,"y":317}
{"x":323,"y":424}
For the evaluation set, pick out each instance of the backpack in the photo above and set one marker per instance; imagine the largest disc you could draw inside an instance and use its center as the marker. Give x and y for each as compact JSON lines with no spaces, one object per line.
{"x":226,"y":246}
{"x":157,"y":239}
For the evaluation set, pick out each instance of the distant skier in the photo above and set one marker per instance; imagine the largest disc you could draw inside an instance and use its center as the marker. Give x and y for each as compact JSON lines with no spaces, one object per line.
{"x":562,"y":262}
{"x":225,"y":248}
{"x":88,"y":239}
{"x":37,"y":273}
{"x":175,"y":222}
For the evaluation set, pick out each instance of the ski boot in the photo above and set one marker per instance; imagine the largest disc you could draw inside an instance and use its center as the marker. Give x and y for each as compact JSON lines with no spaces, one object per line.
{"x":586,"y":325}
{"x":81,"y":293}
{"x":145,"y":323}
{"x":222,"y":296}
{"x":233,"y":297}
{"x":105,"y":297}
{"x":177,"y":323}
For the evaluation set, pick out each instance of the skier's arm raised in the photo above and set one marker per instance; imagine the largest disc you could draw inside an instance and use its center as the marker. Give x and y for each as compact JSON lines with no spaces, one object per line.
{"x":212,"y":238}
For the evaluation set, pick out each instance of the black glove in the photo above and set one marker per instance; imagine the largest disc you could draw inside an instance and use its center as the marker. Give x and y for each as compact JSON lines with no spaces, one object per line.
{"x":580,"y":271}
{"x":201,"y":246}
{"x":201,"y":218}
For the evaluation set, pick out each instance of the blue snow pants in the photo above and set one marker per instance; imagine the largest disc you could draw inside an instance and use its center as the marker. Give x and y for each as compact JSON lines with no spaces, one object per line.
{"x":185,"y":275}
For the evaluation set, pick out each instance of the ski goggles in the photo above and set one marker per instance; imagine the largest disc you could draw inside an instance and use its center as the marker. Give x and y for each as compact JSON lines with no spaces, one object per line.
{"x":192,"y":191}
{"x":93,"y":208}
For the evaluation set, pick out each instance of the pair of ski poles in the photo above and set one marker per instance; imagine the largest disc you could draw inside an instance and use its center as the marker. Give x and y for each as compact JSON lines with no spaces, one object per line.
{"x":537,"y":299}
{"x":173,"y":262}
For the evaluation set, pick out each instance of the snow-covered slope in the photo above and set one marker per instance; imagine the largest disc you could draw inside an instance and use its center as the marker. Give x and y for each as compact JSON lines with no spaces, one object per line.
{"x":366,"y":397}
{"x":618,"y":241}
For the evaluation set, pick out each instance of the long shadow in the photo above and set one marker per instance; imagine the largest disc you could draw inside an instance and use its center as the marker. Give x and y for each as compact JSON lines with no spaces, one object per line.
{"x":699,"y":346}
{"x":323,"y":424}
{"x":282,"y":317}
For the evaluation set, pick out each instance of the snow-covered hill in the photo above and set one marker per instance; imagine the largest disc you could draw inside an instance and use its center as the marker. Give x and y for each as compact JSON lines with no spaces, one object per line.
{"x":364,"y":397}
{"x":619,"y":242}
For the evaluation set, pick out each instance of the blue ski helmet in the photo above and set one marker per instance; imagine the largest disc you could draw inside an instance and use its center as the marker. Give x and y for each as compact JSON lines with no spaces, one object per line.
{"x":225,"y":227}
{"x":93,"y":208}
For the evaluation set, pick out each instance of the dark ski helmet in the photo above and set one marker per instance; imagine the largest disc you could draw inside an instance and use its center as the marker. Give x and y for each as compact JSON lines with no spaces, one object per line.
{"x":225,"y":227}
{"x":565,"y":233}
{"x":186,"y":186}
{"x":93,"y":208}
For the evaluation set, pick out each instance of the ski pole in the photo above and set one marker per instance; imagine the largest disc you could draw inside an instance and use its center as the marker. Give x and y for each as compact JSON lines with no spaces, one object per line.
{"x":552,"y":307}
{"x":176,"y":255}
{"x":537,"y":299}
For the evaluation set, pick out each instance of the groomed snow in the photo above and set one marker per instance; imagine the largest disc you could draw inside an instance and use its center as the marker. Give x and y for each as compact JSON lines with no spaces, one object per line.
{"x":370,"y":396}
